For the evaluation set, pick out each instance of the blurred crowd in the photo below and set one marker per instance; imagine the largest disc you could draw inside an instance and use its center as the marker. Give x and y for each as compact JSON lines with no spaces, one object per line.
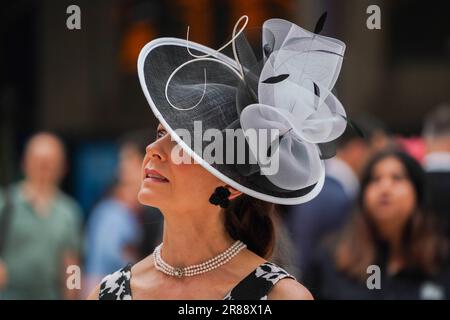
{"x":43,"y":230}
{"x":379,"y":229}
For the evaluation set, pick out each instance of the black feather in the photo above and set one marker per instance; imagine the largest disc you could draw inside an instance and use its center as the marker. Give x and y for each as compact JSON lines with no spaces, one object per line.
{"x":354,"y":126}
{"x":326,"y":51}
{"x":320,"y":23}
{"x":276,"y":79}
{"x":316,"y":90}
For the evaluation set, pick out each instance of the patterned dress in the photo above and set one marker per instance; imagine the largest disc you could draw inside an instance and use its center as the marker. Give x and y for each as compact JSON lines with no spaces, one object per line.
{"x":255,"y":286}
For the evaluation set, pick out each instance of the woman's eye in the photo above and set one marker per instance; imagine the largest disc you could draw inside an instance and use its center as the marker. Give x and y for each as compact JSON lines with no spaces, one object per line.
{"x":160,"y":133}
{"x":398,"y":177}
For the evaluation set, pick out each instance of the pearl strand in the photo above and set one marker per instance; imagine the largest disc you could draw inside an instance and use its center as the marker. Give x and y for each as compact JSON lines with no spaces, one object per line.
{"x":196,"y":269}
{"x":209,"y":262}
{"x":193,"y":271}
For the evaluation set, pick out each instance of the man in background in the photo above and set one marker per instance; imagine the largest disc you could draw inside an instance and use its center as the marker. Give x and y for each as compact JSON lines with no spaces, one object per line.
{"x":42,"y":231}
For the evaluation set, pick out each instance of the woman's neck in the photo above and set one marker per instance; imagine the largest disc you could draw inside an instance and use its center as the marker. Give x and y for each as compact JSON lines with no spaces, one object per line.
{"x":393,"y":238}
{"x":193,"y":237}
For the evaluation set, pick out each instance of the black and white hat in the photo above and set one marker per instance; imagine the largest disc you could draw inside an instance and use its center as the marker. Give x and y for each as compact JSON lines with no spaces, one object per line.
{"x":201,"y":94}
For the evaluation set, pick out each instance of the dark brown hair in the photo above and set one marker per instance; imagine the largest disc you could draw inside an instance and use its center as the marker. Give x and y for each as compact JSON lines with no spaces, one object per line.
{"x":249,"y":220}
{"x":358,"y":245}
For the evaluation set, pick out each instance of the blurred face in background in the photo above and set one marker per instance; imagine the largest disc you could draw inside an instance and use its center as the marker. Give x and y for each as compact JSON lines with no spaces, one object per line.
{"x":130,"y":161}
{"x":44,"y":160}
{"x":173,"y":187}
{"x":389,"y":198}
{"x":356,"y":151}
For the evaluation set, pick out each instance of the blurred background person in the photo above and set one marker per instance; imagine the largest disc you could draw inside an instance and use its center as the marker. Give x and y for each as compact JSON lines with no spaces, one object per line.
{"x":152,"y":226}
{"x":391,"y":230}
{"x":120,"y":230}
{"x":42,"y":232}
{"x":436,"y":133}
{"x":310,"y":222}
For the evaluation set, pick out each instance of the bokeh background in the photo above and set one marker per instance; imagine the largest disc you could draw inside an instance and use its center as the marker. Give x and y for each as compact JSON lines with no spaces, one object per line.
{"x":82,"y":84}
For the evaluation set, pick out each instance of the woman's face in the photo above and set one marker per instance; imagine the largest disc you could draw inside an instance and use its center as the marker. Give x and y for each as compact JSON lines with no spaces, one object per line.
{"x":389,"y":197}
{"x":185,"y":186}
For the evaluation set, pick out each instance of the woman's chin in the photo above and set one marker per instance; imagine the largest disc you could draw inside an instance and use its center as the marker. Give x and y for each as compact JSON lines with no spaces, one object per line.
{"x":148,"y":197}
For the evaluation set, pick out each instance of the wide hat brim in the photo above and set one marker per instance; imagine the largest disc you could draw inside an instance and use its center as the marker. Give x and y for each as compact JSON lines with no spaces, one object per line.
{"x":157,"y":61}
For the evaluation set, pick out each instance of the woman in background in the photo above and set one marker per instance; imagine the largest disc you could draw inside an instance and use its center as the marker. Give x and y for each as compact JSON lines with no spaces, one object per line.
{"x":390,"y":249}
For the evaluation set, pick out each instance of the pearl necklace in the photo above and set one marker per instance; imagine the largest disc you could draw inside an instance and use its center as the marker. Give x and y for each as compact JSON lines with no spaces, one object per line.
{"x":196,"y":269}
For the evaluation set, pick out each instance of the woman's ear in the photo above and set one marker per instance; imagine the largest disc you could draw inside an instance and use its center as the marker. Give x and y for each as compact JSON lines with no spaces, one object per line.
{"x":233,"y":192}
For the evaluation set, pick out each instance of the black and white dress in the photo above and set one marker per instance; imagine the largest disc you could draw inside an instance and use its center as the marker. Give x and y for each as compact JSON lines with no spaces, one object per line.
{"x":255,"y":286}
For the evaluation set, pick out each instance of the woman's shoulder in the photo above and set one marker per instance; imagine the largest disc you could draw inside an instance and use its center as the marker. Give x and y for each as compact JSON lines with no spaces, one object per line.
{"x":268,"y":281}
{"x":284,"y":285}
{"x":116,"y":286}
{"x":289,"y":289}
{"x":113,"y":286}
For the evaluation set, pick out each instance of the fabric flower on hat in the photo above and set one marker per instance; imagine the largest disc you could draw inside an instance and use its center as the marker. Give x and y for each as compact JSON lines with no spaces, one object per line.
{"x":294,"y":96}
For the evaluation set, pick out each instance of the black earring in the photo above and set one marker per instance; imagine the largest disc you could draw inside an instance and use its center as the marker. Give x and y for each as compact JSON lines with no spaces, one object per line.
{"x":220,"y":197}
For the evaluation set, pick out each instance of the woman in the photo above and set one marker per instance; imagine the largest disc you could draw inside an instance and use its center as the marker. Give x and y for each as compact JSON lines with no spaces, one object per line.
{"x":390,"y":248}
{"x":218,"y":234}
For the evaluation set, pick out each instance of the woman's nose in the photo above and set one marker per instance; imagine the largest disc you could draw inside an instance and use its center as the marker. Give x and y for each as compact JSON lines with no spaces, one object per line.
{"x":155,"y":150}
{"x":386,"y":184}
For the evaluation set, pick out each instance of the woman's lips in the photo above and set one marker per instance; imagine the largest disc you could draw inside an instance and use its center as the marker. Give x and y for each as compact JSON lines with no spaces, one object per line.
{"x":385,"y":201}
{"x":152,"y":175}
